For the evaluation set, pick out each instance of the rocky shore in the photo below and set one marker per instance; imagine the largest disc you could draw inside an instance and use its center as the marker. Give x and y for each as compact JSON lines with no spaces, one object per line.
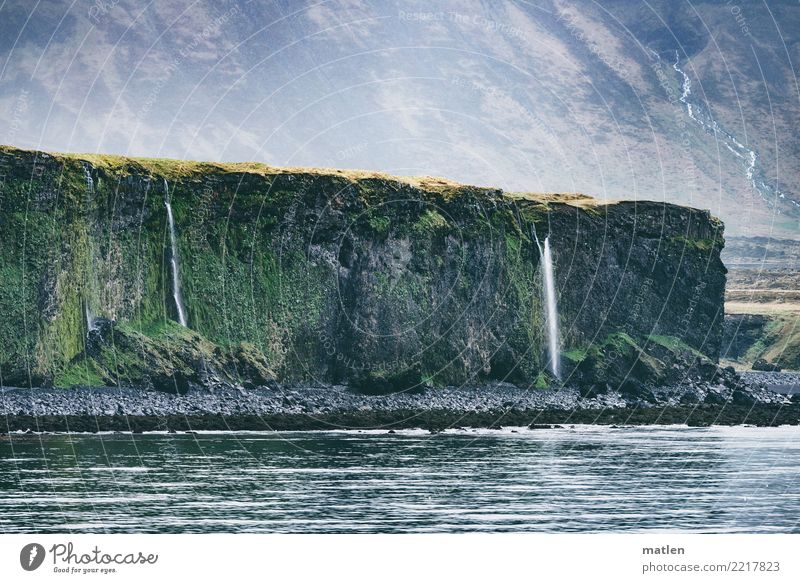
{"x":787,"y":382}
{"x":337,"y":406}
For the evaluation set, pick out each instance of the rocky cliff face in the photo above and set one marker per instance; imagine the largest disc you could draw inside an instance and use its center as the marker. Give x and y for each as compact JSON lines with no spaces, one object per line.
{"x":306,"y":275}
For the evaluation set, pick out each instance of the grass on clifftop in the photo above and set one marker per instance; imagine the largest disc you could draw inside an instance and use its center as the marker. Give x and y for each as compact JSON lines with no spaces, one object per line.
{"x":172,"y":169}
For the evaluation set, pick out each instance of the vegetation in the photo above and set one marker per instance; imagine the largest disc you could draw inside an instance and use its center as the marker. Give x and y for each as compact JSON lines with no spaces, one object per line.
{"x":296,"y":274}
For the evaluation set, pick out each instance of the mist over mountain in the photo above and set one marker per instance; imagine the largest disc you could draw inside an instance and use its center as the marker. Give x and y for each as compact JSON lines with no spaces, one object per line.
{"x":693,"y":103}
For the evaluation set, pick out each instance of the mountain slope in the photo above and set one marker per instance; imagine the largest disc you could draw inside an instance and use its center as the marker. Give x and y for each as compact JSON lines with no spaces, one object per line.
{"x":693,"y":103}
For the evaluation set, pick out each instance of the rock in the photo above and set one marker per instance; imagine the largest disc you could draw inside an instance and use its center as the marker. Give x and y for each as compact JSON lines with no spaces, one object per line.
{"x":593,"y":390}
{"x":176,"y":383}
{"x":762,"y":365}
{"x":740,"y":397}
{"x":690,"y":397}
{"x":715,"y":398}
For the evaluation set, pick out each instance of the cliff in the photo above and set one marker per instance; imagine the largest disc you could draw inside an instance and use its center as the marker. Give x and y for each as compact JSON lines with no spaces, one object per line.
{"x":326,"y":276}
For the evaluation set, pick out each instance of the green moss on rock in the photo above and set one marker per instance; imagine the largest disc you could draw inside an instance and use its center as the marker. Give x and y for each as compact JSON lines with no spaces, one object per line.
{"x":310,"y":275}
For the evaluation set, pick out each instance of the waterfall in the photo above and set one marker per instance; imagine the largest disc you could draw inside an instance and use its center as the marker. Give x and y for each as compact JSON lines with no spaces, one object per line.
{"x":89,"y":180}
{"x":551,"y":308}
{"x":89,"y":286}
{"x":173,"y":257}
{"x":90,"y":320}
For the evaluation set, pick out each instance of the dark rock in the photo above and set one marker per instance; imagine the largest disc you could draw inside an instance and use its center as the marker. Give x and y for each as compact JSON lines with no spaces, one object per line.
{"x":741,"y":332}
{"x":715,"y":398}
{"x":762,"y":365}
{"x":690,"y":397}
{"x":742,"y":398}
{"x":176,"y":383}
{"x":593,"y":390}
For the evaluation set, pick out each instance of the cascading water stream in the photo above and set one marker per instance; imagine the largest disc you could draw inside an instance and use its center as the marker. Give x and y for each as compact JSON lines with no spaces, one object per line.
{"x":173,"y":256}
{"x":551,"y":306}
{"x":90,"y":320}
{"x":89,"y":286}
{"x":700,"y":113}
{"x":87,"y":174}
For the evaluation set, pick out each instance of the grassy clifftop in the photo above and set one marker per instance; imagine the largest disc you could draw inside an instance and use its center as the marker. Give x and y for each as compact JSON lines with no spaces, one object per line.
{"x":328,"y":275}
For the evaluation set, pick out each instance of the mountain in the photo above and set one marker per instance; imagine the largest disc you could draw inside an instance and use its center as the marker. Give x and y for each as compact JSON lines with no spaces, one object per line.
{"x":694,"y":103}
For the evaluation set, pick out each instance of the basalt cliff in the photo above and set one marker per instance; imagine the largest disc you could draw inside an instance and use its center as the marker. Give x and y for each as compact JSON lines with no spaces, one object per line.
{"x":309,"y":276}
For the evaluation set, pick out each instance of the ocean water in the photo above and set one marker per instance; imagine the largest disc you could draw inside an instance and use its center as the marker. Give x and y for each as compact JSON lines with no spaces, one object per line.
{"x":581,"y":479}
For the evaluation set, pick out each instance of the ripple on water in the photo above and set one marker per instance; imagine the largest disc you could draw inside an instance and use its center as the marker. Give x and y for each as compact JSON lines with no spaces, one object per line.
{"x":576,"y":479}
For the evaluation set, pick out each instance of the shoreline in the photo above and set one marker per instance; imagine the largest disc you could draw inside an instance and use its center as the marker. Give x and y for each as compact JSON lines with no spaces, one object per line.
{"x":435,"y":420}
{"x":312,"y":408}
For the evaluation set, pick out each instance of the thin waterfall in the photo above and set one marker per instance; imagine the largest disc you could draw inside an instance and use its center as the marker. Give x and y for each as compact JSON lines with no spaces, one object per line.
{"x":90,"y":320}
{"x":89,"y":180}
{"x":88,"y":285}
{"x":173,"y":258}
{"x":551,"y":307}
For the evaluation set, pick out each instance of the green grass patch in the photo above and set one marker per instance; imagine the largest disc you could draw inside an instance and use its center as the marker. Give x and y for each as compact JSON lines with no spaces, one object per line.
{"x":86,"y":372}
{"x":576,"y":355}
{"x":674,"y":344}
{"x":430,"y":222}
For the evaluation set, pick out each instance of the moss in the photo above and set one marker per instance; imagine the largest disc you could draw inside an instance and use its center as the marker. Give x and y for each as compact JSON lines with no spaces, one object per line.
{"x":674,"y":344}
{"x":620,"y":341}
{"x":429,"y":222}
{"x":262,"y":277}
{"x":85,"y":372}
{"x":513,"y":244}
{"x":380,"y":224}
{"x":190,"y":170}
{"x":781,"y":342}
{"x":702,"y":244}
{"x":383,"y":382}
{"x":576,"y":355}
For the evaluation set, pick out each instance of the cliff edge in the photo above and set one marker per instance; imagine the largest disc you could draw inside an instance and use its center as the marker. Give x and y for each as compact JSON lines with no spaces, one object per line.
{"x":298,"y":275}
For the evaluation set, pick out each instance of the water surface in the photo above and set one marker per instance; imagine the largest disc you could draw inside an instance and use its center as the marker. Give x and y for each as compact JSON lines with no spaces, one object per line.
{"x":584,"y":479}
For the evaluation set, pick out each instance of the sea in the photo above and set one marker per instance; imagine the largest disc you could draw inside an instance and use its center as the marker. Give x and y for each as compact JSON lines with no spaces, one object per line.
{"x":570,"y":479}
